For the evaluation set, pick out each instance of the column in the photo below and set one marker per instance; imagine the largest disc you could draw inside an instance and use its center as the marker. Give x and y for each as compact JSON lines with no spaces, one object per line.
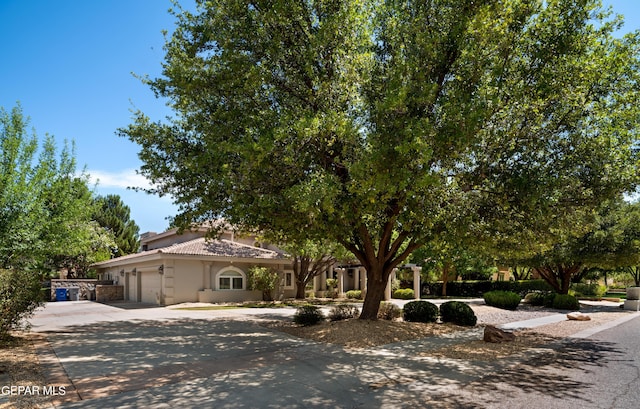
{"x":387,"y":291}
{"x":341,"y":282}
{"x":416,"y":282}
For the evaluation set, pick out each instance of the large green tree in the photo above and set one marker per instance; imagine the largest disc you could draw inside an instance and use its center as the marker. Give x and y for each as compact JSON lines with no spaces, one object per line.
{"x":46,"y":205}
{"x":611,"y":243}
{"x":113,"y":215}
{"x":378,"y":124}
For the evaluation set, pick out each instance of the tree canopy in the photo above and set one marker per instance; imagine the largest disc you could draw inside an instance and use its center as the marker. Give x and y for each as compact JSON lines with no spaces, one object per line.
{"x":378,"y":124}
{"x":46,"y":205}
{"x":113,"y":215}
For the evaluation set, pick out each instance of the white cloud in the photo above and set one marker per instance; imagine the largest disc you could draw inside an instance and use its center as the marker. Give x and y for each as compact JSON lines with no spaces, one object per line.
{"x":124,"y":179}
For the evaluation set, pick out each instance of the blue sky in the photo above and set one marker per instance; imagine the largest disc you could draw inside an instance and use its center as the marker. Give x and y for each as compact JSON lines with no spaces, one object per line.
{"x":70,"y":62}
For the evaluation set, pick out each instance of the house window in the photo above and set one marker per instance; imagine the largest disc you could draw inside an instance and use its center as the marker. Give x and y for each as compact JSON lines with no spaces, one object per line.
{"x":230,"y":280}
{"x":288,"y":280}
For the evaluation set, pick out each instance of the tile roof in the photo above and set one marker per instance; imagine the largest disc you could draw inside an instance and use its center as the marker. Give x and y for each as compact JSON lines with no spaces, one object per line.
{"x":220,"y":248}
{"x":205,"y":247}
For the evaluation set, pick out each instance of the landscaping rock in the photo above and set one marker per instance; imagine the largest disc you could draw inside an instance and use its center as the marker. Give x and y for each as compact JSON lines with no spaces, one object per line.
{"x":496,"y":335}
{"x":578,"y":316}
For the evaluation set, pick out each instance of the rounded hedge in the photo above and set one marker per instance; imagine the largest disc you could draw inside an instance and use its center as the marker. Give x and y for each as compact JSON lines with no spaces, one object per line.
{"x":536,"y":299}
{"x":565,"y":302}
{"x":404,"y":294}
{"x":457,"y":312}
{"x":354,"y":294}
{"x":505,"y":300}
{"x":420,"y":311}
{"x":389,"y":311}
{"x":308,"y":315}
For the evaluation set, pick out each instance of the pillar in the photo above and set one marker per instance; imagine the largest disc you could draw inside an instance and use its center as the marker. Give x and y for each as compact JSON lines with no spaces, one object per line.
{"x":387,"y":291}
{"x":416,"y":282}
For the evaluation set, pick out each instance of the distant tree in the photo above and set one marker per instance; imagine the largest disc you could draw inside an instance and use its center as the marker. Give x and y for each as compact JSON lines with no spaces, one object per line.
{"x":521,"y":272}
{"x":113,"y":215}
{"x":370,"y":123}
{"x":312,"y":258}
{"x":74,"y":240}
{"x":606,"y":246}
{"x":263,"y":279}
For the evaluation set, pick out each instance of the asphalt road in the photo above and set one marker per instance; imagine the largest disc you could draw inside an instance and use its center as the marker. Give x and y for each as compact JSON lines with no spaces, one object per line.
{"x":599,"y":372}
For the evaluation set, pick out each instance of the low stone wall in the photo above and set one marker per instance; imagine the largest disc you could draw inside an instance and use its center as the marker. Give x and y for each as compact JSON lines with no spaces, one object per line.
{"x":106,"y":293}
{"x":85,"y":288}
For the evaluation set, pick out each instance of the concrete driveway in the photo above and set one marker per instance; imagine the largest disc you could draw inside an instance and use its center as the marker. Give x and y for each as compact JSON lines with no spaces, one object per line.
{"x":115,"y":356}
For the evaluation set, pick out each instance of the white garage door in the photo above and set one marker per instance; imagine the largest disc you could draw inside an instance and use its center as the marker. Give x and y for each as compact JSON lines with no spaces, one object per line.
{"x":150,"y":287}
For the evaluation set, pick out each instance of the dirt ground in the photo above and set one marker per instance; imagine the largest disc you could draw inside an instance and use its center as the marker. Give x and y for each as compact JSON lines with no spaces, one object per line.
{"x":19,"y":366}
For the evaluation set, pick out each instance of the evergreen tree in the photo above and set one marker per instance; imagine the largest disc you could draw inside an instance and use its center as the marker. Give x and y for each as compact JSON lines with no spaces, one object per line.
{"x":113,"y":215}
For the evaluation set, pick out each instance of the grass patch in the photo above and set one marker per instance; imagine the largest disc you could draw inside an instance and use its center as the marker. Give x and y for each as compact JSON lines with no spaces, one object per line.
{"x":210,"y":308}
{"x":622,"y":296}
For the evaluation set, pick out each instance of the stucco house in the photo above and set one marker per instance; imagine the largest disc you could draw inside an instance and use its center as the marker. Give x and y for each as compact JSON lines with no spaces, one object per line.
{"x":174,"y":268}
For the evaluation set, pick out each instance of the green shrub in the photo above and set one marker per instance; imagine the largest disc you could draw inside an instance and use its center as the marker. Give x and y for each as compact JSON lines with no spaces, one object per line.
{"x":331,"y":294}
{"x":589,"y":290}
{"x":389,"y":311}
{"x":420,"y":311}
{"x":343,"y":312}
{"x":263,"y":279}
{"x":354,"y":294}
{"x":536,"y":299}
{"x":404,"y":294}
{"x":506,"y":300}
{"x":457,"y":312}
{"x":308,"y":315}
{"x":548,"y":299}
{"x":565,"y":302}
{"x":20,"y":295}
{"x":478,"y":288}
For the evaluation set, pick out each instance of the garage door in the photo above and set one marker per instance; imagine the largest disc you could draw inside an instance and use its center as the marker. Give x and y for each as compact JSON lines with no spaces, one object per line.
{"x":150,"y":287}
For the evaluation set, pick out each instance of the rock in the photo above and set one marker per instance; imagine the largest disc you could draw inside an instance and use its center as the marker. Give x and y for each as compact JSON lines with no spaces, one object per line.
{"x":578,"y":316}
{"x":496,"y":335}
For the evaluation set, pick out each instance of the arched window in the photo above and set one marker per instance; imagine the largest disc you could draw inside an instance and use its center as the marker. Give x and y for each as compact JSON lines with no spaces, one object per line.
{"x":231,"y":279}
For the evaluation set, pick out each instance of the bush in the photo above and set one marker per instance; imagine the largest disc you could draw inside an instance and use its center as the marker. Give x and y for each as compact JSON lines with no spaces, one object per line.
{"x":354,"y":294}
{"x":502,"y":299}
{"x":20,"y":295}
{"x":308,"y":315}
{"x":343,"y":312}
{"x":536,"y":299}
{"x":263,"y":279}
{"x":565,"y":302}
{"x":404,"y":294}
{"x":331,"y":294}
{"x":457,"y":312}
{"x":478,"y":288}
{"x":548,"y":299}
{"x":420,"y":311}
{"x":589,"y":290}
{"x":389,"y":311}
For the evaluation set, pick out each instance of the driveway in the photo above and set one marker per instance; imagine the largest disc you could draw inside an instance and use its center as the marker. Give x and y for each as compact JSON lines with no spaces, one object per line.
{"x":116,"y":356}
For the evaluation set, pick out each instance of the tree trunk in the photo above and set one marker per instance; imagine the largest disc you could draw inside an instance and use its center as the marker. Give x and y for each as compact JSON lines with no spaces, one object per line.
{"x":300,"y":290}
{"x":300,"y":273}
{"x":375,"y":295}
{"x":445,"y":278}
